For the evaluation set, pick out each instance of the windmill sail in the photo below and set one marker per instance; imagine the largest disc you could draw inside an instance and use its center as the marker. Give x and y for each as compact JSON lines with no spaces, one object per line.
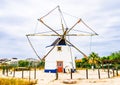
{"x":62,"y":28}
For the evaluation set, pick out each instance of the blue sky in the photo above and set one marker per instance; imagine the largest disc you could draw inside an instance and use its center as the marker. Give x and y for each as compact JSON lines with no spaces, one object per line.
{"x":19,"y":17}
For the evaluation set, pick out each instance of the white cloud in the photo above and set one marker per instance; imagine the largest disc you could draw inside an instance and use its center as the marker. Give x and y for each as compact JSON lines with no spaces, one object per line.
{"x":18,"y":18}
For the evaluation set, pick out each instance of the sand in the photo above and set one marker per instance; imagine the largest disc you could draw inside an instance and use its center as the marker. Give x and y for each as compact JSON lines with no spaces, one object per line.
{"x":79,"y":77}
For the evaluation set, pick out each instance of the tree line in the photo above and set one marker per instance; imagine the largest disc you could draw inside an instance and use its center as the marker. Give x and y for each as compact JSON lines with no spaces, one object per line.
{"x":95,"y":61}
{"x":92,"y":61}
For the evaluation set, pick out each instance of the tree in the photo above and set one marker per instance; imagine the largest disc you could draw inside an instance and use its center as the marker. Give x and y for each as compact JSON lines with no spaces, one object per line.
{"x":23,"y":63}
{"x":115,"y":59}
{"x":85,"y":63}
{"x":41,"y":64}
{"x":94,"y":59}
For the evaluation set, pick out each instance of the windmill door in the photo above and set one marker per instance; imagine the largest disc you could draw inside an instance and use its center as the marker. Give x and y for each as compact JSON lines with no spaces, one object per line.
{"x":60,"y":66}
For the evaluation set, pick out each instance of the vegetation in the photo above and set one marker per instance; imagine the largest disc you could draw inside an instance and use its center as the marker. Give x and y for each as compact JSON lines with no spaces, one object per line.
{"x":41,"y":65}
{"x":94,"y":60}
{"x":23,"y":63}
{"x":15,"y":81}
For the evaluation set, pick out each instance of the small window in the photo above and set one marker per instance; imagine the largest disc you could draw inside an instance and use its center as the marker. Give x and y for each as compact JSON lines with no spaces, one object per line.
{"x":59,"y":48}
{"x":59,"y":64}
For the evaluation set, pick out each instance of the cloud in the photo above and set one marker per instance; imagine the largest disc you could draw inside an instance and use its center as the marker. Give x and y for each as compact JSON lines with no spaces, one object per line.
{"x":18,"y":18}
{"x":110,"y":5}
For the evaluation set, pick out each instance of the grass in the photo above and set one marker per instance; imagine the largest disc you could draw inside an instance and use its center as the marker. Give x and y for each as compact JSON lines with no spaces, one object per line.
{"x":15,"y":81}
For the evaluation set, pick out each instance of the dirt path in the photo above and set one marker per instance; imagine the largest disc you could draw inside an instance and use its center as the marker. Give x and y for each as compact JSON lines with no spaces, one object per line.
{"x":79,"y":77}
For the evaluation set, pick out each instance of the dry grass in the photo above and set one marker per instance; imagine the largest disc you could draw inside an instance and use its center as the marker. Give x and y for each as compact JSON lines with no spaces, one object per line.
{"x":15,"y":81}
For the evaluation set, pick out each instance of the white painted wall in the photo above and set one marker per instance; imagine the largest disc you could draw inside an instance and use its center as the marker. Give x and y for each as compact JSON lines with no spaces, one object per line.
{"x":63,"y":55}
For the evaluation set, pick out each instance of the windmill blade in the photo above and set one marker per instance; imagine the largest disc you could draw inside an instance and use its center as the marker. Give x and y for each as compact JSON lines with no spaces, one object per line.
{"x":62,"y":26}
{"x":77,"y":49}
{"x":74,"y":25}
{"x":48,"y":27}
{"x":64,"y":34}
{"x":88,"y":27}
{"x":33,"y":47}
{"x":62,"y":19}
{"x":37,"y":34}
{"x":48,"y":52}
{"x":80,"y":34}
{"x":50,"y":11}
{"x":51,"y":49}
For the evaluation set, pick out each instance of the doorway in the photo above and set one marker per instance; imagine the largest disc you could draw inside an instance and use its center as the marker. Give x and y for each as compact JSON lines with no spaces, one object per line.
{"x":60,"y":66}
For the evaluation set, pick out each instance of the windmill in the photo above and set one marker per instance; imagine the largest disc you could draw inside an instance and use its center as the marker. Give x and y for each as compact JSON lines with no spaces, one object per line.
{"x":60,"y":55}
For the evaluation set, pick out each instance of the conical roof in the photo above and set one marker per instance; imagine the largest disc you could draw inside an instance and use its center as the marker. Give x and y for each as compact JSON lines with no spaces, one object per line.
{"x":59,"y":42}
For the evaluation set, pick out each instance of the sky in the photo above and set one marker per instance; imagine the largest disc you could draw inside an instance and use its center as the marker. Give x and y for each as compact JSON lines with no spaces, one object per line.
{"x":19,"y":17}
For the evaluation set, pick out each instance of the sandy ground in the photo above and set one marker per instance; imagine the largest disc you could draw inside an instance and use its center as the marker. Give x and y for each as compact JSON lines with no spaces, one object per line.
{"x":79,"y":77}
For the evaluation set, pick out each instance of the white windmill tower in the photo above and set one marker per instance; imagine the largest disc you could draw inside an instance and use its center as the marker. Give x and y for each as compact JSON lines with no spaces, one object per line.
{"x":60,"y":55}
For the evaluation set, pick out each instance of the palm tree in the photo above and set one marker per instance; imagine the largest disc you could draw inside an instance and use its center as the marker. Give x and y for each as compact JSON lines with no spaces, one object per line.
{"x":94,"y":59}
{"x":85,"y":62}
{"x":115,"y":58}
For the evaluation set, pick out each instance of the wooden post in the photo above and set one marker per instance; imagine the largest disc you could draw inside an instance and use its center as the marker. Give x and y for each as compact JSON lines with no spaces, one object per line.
{"x":113,"y":72}
{"x":98,"y":73}
{"x":35,"y":73}
{"x":29,"y":73}
{"x":14,"y":72}
{"x":108,"y":71}
{"x":86,"y":73}
{"x":71,"y":74}
{"x":22,"y":73}
{"x":7,"y":70}
{"x":56,"y":74}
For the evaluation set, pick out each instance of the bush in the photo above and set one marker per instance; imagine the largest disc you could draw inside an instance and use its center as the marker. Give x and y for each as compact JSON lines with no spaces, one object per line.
{"x":23,"y":63}
{"x":41,"y":64}
{"x":15,"y":81}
